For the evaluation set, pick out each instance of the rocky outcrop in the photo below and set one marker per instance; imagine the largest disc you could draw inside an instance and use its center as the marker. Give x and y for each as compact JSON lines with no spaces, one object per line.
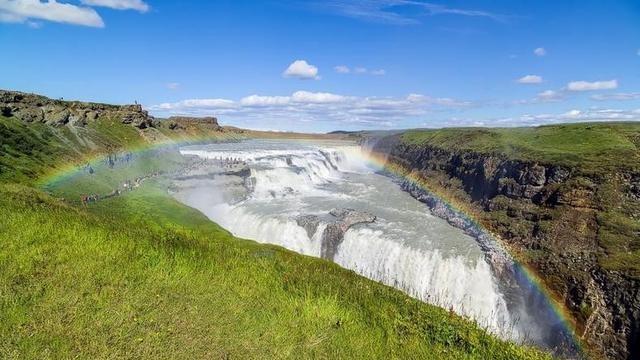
{"x":309,"y":223}
{"x":549,"y":213}
{"x":205,"y":119}
{"x":31,"y":108}
{"x":333,"y":234}
{"x":184,"y":122}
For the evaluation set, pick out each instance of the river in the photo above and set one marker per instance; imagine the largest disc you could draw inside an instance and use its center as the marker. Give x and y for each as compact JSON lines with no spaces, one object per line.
{"x":260,"y":189}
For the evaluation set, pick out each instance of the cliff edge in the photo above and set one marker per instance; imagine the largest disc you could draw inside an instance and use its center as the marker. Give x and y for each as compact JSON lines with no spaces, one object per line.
{"x":565,"y":198}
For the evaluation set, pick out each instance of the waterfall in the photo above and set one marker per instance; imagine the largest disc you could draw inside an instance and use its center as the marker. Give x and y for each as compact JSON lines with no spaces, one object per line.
{"x":405,"y":247}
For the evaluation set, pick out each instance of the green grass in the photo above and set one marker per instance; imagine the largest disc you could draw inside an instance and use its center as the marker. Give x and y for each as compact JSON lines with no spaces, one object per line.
{"x":26,"y":151}
{"x":591,"y":147}
{"x":31,"y":151}
{"x":104,"y":179}
{"x":619,"y":231}
{"x":102,"y":284}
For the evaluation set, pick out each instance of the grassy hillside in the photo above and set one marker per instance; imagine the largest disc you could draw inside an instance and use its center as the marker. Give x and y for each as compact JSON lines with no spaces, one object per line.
{"x":29,"y":151}
{"x":591,"y":147}
{"x":142,"y":276}
{"x":176,"y":285}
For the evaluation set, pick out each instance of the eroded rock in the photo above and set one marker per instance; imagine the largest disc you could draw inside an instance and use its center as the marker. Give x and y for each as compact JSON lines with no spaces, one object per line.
{"x":337,"y":224}
{"x":32,"y":108}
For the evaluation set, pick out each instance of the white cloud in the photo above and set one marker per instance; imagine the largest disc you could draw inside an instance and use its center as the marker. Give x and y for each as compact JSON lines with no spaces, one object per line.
{"x":530,"y":79}
{"x":172,"y":85}
{"x":302,"y":70}
{"x":316,"y":98}
{"x":590,"y":86}
{"x":194,"y":104}
{"x":298,"y":97}
{"x":342,"y":69}
{"x":549,"y":95}
{"x":584,"y":115}
{"x":618,"y":96}
{"x":257,"y":100}
{"x":23,"y":11}
{"x":540,"y":51}
{"x":383,"y":11}
{"x":138,"y":5}
{"x":572,"y":114}
{"x":305,"y":106}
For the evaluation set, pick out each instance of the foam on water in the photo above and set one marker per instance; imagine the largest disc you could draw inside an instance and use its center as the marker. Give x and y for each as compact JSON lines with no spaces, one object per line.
{"x":406,"y":247}
{"x":455,"y":283}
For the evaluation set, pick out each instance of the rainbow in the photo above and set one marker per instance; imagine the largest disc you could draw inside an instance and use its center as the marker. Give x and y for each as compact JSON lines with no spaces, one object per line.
{"x":62,"y":172}
{"x":528,"y":273}
{"x":380,"y":162}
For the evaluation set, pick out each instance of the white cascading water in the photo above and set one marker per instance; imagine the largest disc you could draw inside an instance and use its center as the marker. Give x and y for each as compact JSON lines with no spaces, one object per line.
{"x":406,"y":247}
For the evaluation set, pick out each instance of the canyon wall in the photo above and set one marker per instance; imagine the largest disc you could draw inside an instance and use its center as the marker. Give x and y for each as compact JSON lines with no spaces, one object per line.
{"x":559,"y":219}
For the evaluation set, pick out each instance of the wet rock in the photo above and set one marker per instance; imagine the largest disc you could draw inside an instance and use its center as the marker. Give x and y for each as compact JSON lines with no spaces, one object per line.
{"x":340,"y":220}
{"x":334,"y":231}
{"x":309,"y":223}
{"x":351,"y":217}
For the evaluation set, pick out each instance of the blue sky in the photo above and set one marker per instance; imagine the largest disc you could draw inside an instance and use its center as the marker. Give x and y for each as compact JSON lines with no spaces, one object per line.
{"x":328,"y":65}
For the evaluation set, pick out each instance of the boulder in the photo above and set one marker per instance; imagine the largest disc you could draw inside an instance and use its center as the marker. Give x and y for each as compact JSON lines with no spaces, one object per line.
{"x":57,"y":117}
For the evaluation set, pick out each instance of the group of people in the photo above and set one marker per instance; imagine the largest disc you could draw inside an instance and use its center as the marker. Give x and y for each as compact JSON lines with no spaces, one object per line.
{"x":229,"y":161}
{"x":88,"y":168}
{"x":128,"y":185}
{"x":86,"y":199}
{"x":112,"y":159}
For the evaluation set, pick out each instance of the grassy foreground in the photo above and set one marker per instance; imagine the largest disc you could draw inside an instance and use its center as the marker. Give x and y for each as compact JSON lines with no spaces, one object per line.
{"x":142,"y":276}
{"x":76,"y":284}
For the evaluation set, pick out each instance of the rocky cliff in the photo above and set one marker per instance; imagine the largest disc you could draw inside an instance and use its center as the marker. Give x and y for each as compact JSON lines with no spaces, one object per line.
{"x":573,"y":226}
{"x":213,"y":121}
{"x":32,"y":108}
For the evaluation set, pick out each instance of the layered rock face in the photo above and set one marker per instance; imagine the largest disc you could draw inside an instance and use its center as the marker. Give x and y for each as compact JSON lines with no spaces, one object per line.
{"x":552,"y":215}
{"x":31,"y":108}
